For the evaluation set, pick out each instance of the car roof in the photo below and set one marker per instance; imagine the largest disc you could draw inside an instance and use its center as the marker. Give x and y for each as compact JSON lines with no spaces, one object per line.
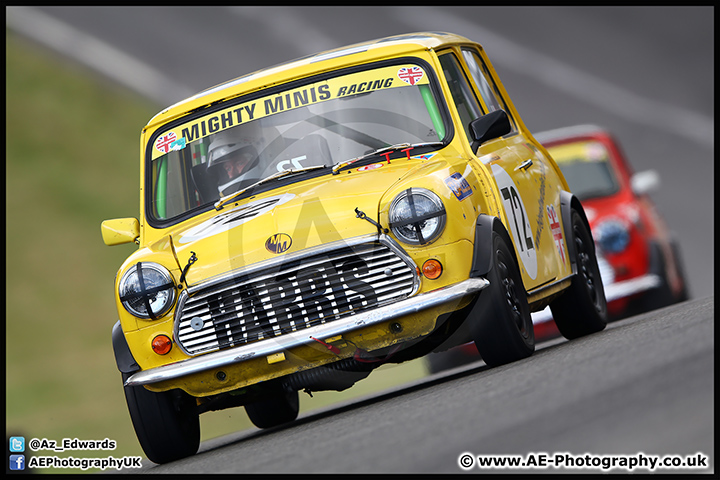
{"x":563,"y":133}
{"x":297,"y":68}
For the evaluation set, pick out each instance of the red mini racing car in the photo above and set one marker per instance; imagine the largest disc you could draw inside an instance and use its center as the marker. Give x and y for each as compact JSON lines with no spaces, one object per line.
{"x":639,"y":258}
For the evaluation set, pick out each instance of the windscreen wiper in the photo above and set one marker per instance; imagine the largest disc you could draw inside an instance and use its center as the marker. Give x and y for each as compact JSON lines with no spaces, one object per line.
{"x":405,"y":147}
{"x":224,"y":201}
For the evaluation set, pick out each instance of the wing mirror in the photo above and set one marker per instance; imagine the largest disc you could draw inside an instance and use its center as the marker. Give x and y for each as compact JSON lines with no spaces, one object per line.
{"x":645,"y":182}
{"x":493,"y":125}
{"x":120,"y":230}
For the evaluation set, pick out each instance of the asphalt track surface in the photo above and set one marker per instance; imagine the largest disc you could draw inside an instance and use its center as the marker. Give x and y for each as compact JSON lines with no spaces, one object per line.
{"x":645,"y":384}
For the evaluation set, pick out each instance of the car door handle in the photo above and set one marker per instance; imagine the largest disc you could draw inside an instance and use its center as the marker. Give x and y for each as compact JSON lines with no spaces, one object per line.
{"x":525,"y":165}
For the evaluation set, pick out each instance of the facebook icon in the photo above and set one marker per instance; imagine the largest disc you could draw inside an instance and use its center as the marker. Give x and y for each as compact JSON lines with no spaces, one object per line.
{"x":17,"y":462}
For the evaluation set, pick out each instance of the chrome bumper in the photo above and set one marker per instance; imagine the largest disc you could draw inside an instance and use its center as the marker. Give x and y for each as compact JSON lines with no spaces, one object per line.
{"x":274,"y":345}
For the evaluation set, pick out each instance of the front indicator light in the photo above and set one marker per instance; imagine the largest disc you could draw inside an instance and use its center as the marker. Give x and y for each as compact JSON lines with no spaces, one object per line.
{"x":432,"y":269}
{"x":161,"y":344}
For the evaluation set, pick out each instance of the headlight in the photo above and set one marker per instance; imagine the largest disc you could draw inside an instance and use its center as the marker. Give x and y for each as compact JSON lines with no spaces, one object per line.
{"x":612,"y":236}
{"x":417,"y":216}
{"x":147,"y":290}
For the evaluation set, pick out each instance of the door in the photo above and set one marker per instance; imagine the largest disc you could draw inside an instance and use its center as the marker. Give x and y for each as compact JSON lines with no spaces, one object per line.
{"x":518,"y":169}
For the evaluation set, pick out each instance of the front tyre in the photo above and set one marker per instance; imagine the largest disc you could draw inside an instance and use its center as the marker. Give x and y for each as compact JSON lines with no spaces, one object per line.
{"x":167,"y":424}
{"x":503,"y":330}
{"x":581,"y":309}
{"x":281,"y":407}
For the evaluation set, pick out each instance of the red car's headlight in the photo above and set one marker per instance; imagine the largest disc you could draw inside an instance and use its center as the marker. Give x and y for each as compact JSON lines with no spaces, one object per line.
{"x":612,"y":236}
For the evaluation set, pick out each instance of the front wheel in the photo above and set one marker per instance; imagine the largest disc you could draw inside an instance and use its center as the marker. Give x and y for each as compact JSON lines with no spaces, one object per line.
{"x":582,"y":308}
{"x":167,"y":424}
{"x":503,"y":329}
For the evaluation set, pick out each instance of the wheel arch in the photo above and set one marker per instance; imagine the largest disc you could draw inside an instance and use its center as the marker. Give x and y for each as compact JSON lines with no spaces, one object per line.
{"x":568,"y":203}
{"x":123,"y":357}
{"x":485,"y":225}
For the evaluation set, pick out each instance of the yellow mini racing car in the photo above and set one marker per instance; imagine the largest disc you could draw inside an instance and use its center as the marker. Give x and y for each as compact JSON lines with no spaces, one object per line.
{"x":302,"y":225}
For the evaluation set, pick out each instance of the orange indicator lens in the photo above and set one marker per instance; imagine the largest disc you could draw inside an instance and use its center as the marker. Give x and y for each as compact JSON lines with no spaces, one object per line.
{"x":432,"y":269}
{"x":161,"y":344}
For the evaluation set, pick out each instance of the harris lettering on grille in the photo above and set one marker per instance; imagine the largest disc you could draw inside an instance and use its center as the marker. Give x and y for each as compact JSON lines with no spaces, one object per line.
{"x":282,"y":305}
{"x":291,"y":297}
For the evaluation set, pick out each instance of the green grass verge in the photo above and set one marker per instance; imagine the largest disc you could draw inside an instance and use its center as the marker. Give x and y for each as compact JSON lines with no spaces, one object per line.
{"x":71,"y":162}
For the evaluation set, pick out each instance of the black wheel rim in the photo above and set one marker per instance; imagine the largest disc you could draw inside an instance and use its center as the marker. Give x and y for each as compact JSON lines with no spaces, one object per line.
{"x":585,"y":266}
{"x":510,"y":291}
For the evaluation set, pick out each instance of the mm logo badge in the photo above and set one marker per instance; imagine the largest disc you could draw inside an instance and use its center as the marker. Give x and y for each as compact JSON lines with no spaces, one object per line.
{"x":278,"y":243}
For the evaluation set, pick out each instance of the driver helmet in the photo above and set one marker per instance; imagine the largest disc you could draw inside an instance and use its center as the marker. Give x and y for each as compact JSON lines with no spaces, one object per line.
{"x":230,"y":143}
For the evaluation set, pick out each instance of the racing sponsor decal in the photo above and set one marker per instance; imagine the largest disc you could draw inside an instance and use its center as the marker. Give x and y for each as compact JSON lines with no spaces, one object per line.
{"x":234,"y":218}
{"x":338,"y":87}
{"x":427,"y":156}
{"x":596,"y":152}
{"x":410,"y":75}
{"x":364,"y":87}
{"x":541,"y":201}
{"x":278,"y":243}
{"x":178,"y":144}
{"x":581,"y":151}
{"x":518,"y":220}
{"x":372,"y":166}
{"x":556,"y":230}
{"x":459,"y":186}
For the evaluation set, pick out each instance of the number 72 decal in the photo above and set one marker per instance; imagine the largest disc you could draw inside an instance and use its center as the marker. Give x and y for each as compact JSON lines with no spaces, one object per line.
{"x":518,"y":220}
{"x":285,"y":165}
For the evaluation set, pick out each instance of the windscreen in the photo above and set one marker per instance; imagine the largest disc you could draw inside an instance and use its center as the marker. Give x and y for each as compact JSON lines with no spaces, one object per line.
{"x":587,"y":168}
{"x":315,"y":124}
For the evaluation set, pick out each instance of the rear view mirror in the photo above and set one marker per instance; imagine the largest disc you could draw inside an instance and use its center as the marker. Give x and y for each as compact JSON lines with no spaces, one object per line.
{"x":493,"y":125}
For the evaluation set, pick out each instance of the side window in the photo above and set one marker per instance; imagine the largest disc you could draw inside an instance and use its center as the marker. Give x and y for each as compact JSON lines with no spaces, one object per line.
{"x":483,"y":80}
{"x":465,"y":101}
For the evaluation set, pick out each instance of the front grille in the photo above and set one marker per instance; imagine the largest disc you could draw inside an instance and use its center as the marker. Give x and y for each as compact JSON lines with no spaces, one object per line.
{"x":298,"y":293}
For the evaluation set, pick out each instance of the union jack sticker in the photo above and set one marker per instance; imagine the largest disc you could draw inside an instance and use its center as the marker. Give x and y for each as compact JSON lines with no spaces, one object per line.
{"x":164,"y":142}
{"x":556,"y":229}
{"x":411,"y":75}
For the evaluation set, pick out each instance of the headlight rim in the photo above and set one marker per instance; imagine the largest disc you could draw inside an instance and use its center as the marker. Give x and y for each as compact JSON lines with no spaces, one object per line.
{"x":169,"y":284}
{"x":440,"y":213}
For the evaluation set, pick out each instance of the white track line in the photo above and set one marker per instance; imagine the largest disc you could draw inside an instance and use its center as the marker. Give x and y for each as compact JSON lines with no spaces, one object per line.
{"x":544,"y":69}
{"x":96,"y":54}
{"x":280,"y":22}
{"x":568,"y":80}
